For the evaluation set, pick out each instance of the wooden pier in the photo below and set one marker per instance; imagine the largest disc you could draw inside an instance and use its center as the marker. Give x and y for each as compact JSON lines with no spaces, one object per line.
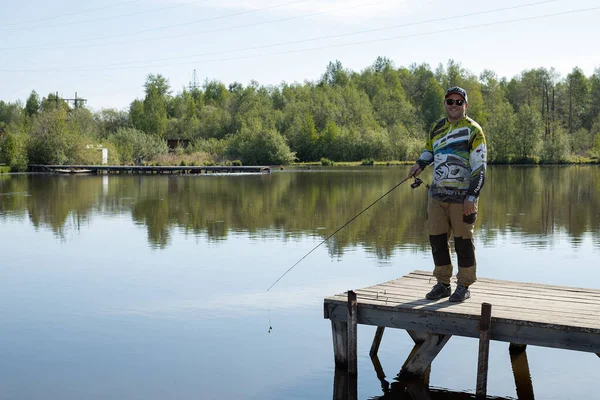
{"x":514,"y":312}
{"x":147,"y":169}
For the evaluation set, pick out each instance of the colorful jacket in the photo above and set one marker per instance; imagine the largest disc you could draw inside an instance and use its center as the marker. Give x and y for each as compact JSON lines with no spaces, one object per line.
{"x":458,"y":153}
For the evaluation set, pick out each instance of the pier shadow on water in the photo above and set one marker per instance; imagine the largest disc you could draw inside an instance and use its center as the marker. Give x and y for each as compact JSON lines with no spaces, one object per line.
{"x":345,"y":387}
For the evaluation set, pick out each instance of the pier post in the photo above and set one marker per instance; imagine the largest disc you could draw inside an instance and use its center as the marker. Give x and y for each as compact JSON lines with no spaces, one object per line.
{"x":339,"y":331}
{"x":484,"y":350}
{"x":352,"y":333}
{"x":376,"y":341}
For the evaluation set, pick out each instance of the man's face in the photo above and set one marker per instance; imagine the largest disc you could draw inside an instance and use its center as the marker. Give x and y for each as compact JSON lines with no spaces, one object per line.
{"x":454,"y":111}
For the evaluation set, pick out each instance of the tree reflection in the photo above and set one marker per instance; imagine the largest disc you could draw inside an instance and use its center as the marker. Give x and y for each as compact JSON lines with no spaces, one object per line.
{"x":535,"y":202}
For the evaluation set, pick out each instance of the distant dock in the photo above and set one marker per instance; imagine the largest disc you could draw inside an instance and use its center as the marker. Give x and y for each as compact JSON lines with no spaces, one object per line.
{"x":515,"y":312}
{"x":146,"y":169}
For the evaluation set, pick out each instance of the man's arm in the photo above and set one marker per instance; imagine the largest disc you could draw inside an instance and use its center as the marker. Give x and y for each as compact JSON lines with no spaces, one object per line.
{"x":478,"y":163}
{"x":424,"y":159}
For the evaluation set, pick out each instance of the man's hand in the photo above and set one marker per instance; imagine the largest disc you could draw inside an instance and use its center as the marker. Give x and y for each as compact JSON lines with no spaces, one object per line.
{"x":469,"y":207}
{"x":415,"y":170}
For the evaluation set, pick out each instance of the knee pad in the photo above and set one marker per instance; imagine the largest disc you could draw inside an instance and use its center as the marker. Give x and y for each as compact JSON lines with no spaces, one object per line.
{"x":465,"y":251}
{"x":440,"y":250}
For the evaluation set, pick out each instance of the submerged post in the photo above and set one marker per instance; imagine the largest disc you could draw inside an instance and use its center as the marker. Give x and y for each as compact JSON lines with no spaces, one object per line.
{"x":520,"y":367}
{"x":352,"y":330}
{"x":484,"y":350}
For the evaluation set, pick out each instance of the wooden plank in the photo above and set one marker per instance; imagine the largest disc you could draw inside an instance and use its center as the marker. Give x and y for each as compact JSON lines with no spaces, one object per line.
{"x":376,"y":341}
{"x":426,"y":276}
{"x":421,"y":360}
{"x":585,"y":316}
{"x":532,"y":291}
{"x":567,"y":306}
{"x":504,"y":331}
{"x":352,"y":333}
{"x":340,"y":341}
{"x":479,"y":290}
{"x":484,"y":350}
{"x":571,"y":317}
{"x":562,"y":322}
{"x":585,"y":309}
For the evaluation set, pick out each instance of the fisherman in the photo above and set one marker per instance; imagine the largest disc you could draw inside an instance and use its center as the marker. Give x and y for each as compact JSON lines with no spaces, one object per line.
{"x":456,"y":147}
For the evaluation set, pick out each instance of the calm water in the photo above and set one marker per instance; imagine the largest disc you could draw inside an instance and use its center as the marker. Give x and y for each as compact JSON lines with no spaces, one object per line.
{"x":142,"y":287}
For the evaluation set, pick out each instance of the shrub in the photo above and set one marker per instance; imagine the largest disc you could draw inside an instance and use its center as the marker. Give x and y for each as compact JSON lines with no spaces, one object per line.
{"x":368,"y":161}
{"x":236,"y":163}
{"x":13,"y":151}
{"x":132,"y":143}
{"x":260,"y":147}
{"x":326,"y":162}
{"x":556,"y":148}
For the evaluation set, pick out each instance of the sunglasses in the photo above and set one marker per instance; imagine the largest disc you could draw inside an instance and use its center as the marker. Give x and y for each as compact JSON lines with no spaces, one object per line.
{"x":452,"y":101}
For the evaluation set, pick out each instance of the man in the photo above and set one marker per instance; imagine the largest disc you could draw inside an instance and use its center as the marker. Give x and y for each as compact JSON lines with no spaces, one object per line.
{"x":456,"y":147}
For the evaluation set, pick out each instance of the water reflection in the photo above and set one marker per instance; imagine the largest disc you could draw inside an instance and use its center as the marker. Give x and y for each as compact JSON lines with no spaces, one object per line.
{"x":534,"y":202}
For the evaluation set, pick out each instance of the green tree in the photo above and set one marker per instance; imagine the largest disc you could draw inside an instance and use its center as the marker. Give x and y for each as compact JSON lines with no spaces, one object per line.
{"x":500,"y":133}
{"x":528,"y":133}
{"x":32,"y":105}
{"x":13,"y":149}
{"x":335,"y":75}
{"x":260,"y":147}
{"x":52,"y":140}
{"x":155,"y":113}
{"x":578,"y":87}
{"x":109,"y":120}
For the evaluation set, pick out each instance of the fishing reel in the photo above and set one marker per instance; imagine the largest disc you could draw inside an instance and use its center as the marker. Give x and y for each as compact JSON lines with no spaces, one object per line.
{"x":416,"y":183}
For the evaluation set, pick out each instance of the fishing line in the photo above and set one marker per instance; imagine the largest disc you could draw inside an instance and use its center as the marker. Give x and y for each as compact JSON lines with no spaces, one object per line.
{"x":337,"y":230}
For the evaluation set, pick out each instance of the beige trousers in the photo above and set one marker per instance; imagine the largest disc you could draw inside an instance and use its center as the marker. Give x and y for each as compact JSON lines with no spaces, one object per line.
{"x":444,"y":219}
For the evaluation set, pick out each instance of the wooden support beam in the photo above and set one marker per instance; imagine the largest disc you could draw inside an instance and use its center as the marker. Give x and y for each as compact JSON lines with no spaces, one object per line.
{"x":385,"y":385}
{"x":418,"y":390}
{"x":417,"y":336}
{"x":376,"y":341}
{"x":339,"y":330}
{"x":340,"y":383}
{"x":422,"y":357}
{"x":484,"y":350}
{"x":420,"y":337}
{"x":520,"y":367}
{"x":352,"y":333}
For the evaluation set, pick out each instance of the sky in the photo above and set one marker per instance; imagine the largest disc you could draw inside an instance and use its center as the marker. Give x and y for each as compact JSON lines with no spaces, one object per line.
{"x":103,"y":50}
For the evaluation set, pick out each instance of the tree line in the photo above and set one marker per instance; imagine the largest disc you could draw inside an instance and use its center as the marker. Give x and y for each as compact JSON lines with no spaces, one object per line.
{"x":381,"y":113}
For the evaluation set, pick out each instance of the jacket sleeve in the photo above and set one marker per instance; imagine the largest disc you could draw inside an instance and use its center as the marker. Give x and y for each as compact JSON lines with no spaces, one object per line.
{"x":426,"y":157}
{"x":478,"y":162}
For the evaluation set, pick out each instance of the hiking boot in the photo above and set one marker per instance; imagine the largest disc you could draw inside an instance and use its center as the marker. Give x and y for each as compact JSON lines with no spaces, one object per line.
{"x":438,"y":291}
{"x":460,"y":294}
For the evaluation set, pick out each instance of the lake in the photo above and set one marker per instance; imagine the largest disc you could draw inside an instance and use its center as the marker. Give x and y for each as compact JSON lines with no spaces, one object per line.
{"x":154,"y":287}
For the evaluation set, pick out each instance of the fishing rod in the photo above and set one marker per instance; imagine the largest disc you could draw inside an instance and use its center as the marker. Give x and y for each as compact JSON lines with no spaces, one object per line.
{"x":413,"y":185}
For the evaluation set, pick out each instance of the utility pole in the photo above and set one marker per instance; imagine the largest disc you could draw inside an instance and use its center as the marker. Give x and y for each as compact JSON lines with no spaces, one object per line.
{"x":194,"y":82}
{"x":77,"y":101}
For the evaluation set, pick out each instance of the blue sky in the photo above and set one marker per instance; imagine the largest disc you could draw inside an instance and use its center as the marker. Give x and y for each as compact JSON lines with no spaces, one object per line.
{"x":103,"y":50}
